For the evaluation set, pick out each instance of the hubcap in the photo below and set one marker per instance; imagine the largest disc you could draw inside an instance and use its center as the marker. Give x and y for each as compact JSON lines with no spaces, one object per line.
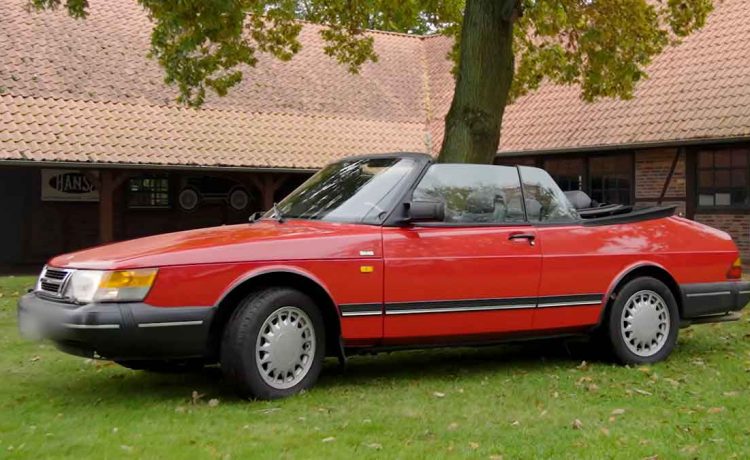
{"x":285,"y":348}
{"x":645,"y":323}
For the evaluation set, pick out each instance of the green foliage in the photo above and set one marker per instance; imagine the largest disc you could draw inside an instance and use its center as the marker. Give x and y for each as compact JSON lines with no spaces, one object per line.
{"x":603,"y":46}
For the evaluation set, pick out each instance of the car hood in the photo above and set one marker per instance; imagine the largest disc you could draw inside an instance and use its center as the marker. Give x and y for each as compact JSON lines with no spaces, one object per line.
{"x":264,"y":240}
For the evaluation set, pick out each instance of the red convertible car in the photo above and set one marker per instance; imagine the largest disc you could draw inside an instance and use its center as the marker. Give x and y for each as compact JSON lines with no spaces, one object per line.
{"x":383,"y":252}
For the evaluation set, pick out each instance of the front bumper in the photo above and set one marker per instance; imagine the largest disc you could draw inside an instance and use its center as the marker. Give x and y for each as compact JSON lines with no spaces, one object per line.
{"x":701,"y":300}
{"x":117,"y":331}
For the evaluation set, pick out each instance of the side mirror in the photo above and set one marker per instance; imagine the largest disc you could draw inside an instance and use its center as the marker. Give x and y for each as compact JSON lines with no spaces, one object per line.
{"x":425,"y":211}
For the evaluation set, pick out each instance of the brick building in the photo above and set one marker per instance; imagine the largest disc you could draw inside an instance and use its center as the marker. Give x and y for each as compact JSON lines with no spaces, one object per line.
{"x":93,"y":148}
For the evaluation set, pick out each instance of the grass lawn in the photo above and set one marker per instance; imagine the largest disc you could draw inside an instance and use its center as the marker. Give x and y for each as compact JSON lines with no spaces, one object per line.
{"x":531,"y":401}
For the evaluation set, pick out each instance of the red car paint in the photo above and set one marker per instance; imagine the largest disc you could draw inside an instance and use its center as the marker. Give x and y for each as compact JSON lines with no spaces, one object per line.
{"x":368,"y":264}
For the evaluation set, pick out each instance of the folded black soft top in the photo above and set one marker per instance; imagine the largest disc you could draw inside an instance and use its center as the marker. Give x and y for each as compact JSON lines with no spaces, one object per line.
{"x":638,"y":215}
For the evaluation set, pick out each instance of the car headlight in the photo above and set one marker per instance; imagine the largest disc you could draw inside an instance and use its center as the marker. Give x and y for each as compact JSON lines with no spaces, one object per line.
{"x":86,"y":286}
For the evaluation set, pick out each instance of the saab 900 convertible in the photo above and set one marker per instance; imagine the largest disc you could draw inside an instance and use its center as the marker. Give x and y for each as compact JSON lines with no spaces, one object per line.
{"x":390,"y":251}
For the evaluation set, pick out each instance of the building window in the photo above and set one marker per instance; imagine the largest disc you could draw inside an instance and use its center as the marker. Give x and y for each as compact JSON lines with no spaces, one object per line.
{"x":148,"y":192}
{"x":611,"y":178}
{"x":605,"y":178}
{"x":722,"y":178}
{"x":567,"y":172}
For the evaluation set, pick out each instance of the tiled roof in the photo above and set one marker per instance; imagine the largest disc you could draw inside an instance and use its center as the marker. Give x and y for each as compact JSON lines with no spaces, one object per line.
{"x":83,"y":91}
{"x":699,"y":89}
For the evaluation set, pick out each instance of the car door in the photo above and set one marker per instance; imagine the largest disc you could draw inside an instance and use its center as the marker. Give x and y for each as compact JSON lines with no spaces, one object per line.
{"x":575,"y":271}
{"x":474,"y":274}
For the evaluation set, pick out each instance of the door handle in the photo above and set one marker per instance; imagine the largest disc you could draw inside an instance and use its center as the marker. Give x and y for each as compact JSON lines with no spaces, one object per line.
{"x":530,"y":237}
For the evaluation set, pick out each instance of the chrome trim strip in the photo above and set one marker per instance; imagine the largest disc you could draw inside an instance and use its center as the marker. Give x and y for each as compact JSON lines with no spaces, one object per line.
{"x":172,"y":323}
{"x":458,"y":309}
{"x":92,"y":326}
{"x":706,"y":294}
{"x":744,"y":292}
{"x":361,"y":313}
{"x":569,"y":304}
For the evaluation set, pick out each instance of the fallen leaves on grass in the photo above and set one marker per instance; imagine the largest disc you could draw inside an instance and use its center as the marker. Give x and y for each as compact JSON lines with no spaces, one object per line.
{"x":577,"y":424}
{"x":271,"y":410}
{"x":438,"y":394}
{"x":196,"y":397}
{"x":213,"y":402}
{"x":473,"y":445}
{"x":329,"y":439}
{"x":715,"y":410}
{"x":375,"y":445}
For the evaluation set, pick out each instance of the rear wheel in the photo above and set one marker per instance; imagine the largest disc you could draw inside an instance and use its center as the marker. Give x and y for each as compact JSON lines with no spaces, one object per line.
{"x":274,"y":344}
{"x":643,"y":322}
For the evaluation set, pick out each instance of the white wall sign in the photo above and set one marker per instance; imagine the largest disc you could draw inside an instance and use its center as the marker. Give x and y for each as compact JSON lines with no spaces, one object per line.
{"x":69,"y":185}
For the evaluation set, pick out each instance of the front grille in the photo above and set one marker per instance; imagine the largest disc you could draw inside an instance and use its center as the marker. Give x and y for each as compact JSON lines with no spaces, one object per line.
{"x":52,"y":281}
{"x":55,"y":274}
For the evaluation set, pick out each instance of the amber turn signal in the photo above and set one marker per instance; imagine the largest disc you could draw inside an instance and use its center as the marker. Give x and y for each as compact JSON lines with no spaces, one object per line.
{"x":128,"y":279}
{"x":735,"y":271}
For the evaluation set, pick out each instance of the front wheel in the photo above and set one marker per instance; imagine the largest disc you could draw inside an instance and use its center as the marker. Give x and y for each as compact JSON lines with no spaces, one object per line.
{"x":274,"y":344}
{"x":643,"y":322}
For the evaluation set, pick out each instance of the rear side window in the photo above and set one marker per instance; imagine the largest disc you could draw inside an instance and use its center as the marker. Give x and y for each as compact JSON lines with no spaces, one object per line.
{"x":473,"y":194}
{"x":545,"y":202}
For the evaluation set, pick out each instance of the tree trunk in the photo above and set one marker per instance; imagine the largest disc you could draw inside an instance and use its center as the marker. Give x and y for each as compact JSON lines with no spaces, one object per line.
{"x":485,"y":73}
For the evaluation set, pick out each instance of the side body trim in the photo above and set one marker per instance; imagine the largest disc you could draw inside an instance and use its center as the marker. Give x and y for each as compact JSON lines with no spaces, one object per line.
{"x":470,"y":305}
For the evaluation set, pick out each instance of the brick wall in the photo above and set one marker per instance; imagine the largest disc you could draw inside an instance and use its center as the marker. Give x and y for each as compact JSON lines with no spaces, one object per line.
{"x":737,"y":225}
{"x":651,"y":170}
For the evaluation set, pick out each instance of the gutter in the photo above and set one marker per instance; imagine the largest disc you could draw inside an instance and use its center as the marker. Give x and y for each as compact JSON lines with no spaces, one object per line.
{"x":609,"y":147}
{"x":103,"y":165}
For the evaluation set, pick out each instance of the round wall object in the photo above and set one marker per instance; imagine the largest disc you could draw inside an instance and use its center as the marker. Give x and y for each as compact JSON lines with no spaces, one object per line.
{"x":238,"y":199}
{"x":188,"y":199}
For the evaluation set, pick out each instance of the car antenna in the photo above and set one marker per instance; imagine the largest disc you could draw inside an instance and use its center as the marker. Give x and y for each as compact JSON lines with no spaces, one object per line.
{"x":277,"y":214}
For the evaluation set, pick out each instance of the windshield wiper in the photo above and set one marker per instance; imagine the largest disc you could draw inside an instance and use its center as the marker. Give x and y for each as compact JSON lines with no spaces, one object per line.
{"x":277,"y":214}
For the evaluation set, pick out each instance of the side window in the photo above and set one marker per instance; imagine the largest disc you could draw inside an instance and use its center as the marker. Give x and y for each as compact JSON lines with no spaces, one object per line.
{"x":473,"y":193}
{"x":545,"y":202}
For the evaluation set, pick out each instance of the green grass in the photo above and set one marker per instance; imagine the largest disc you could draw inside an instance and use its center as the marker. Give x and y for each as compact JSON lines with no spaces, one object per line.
{"x":531,"y":401}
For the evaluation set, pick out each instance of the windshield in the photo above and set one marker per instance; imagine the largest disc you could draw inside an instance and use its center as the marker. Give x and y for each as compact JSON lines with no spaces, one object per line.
{"x":353,"y":191}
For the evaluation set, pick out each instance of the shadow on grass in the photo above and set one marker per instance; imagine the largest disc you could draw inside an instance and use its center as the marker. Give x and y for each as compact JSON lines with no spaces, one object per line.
{"x":119,"y":387}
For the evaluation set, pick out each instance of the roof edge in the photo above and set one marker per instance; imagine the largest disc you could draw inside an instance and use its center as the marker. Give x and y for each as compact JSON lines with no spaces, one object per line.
{"x":630,"y":146}
{"x":151,"y":166}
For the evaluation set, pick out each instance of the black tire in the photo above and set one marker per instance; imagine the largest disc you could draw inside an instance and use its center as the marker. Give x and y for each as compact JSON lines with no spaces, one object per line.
{"x":240,"y":338}
{"x":614,"y":322}
{"x":164,"y":367}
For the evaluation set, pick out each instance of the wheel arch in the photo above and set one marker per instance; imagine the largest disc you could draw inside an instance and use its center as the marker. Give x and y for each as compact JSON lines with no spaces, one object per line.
{"x":643,"y":269}
{"x":277,"y":277}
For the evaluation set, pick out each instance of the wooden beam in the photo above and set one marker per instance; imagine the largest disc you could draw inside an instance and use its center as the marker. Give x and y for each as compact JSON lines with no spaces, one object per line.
{"x":267,"y":185}
{"x":106,"y":207}
{"x":677,"y":156}
{"x":109,"y":181}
